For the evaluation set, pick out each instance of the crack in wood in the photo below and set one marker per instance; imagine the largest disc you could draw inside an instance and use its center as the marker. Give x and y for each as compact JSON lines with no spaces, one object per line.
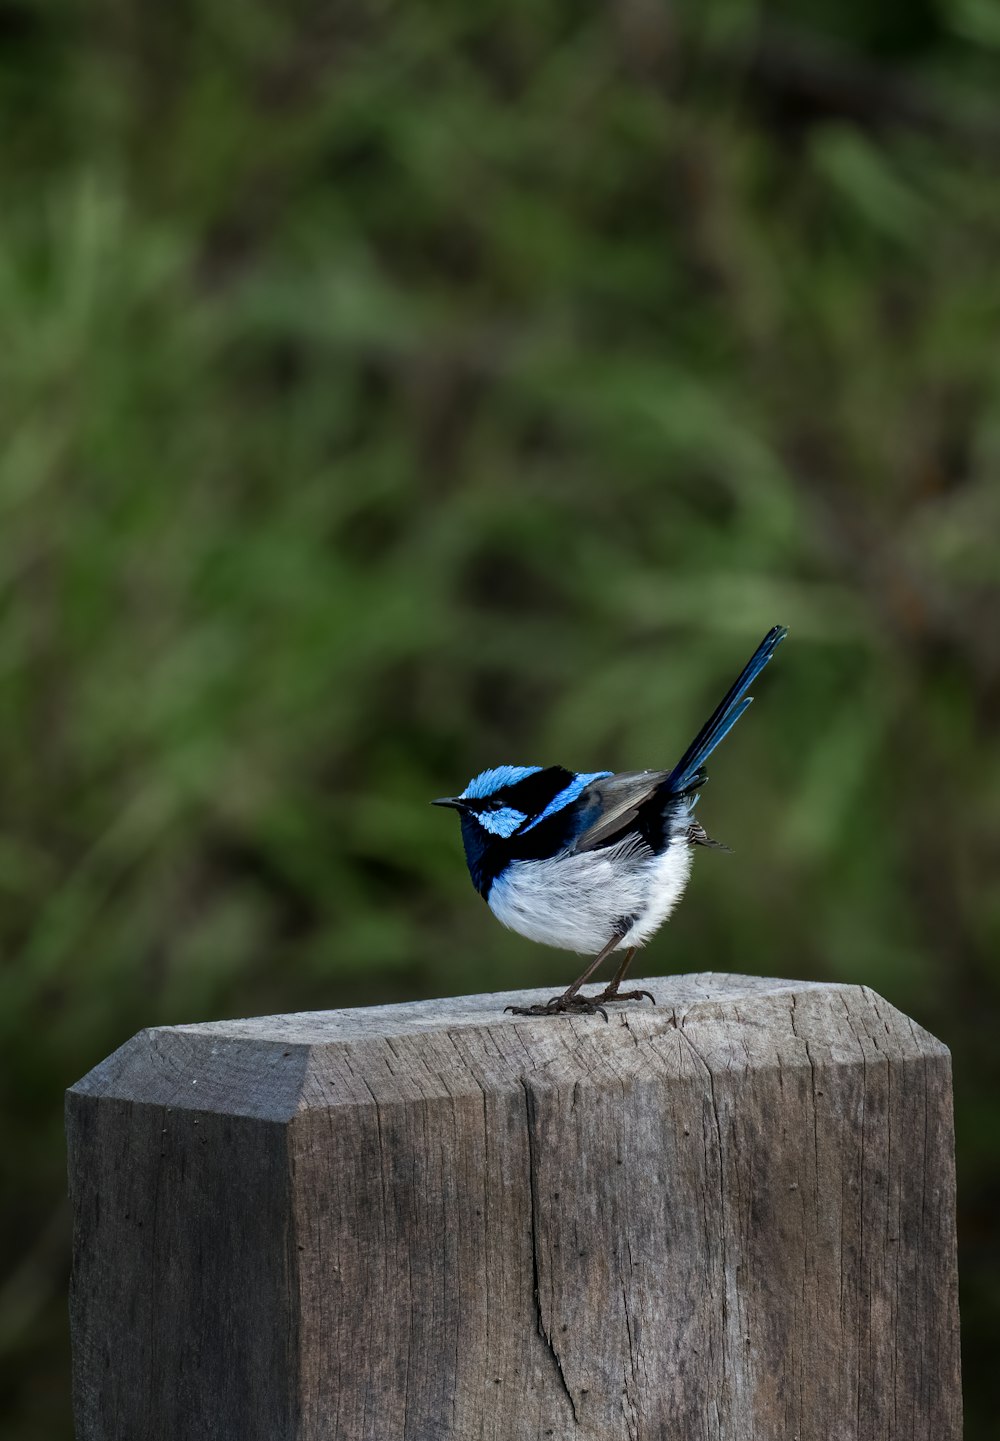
{"x":543,"y":1330}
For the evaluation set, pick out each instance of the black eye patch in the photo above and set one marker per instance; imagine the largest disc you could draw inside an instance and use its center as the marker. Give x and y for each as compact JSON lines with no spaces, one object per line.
{"x":534,"y":792}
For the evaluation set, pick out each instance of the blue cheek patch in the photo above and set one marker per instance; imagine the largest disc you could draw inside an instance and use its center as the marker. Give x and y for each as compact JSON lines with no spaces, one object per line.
{"x":567,"y":796}
{"x":503,"y":822}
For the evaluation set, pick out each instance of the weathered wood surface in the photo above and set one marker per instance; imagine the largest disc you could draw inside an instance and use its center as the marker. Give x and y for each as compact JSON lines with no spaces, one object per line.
{"x":730,"y":1218}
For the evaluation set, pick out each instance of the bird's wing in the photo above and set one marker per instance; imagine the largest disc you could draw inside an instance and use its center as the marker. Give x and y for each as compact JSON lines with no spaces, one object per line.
{"x":611,"y":805}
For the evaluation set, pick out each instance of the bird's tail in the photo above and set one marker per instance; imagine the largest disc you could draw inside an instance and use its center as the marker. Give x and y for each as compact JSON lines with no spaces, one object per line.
{"x":687,"y":774}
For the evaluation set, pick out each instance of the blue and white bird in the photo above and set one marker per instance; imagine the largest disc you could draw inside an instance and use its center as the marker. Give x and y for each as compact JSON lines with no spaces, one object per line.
{"x":593,"y":862}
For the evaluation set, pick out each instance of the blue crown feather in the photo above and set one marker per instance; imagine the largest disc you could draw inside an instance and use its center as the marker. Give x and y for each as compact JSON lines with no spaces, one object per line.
{"x":487,"y":783}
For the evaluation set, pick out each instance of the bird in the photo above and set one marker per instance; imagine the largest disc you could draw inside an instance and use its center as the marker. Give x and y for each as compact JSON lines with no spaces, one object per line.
{"x":594,"y":861}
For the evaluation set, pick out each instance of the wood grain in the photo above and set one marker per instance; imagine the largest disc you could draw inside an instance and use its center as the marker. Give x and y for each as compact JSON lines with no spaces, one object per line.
{"x":728,"y":1218}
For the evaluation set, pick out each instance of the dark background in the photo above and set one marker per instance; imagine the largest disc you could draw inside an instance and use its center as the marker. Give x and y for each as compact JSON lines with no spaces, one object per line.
{"x":391,"y":391}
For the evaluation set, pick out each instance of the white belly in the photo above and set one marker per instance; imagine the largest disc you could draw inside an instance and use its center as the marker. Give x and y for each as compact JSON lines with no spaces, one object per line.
{"x":574,"y":902}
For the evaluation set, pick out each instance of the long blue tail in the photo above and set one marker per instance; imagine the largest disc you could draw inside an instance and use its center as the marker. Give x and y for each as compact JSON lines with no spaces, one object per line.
{"x":687,"y":774}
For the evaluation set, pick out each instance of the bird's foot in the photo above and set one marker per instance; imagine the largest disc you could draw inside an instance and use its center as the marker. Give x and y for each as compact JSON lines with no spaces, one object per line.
{"x":564,"y":1005}
{"x":609,"y":995}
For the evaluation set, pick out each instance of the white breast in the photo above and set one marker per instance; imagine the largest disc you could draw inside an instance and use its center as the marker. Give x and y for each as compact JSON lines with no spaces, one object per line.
{"x":575,"y":901}
{"x":668,"y":875}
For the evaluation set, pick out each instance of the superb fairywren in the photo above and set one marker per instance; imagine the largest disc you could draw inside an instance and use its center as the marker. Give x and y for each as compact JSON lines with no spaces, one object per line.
{"x":593,"y":862}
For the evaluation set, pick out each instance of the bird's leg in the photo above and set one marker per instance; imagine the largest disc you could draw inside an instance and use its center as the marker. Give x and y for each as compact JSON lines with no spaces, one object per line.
{"x":612,"y":993}
{"x":571,"y":1000}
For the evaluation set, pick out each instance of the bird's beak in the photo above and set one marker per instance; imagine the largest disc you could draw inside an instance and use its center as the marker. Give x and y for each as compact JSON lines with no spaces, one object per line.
{"x":455,"y":802}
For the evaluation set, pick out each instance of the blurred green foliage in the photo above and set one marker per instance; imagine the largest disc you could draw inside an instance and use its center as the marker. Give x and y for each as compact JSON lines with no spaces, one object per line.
{"x":391,"y":391}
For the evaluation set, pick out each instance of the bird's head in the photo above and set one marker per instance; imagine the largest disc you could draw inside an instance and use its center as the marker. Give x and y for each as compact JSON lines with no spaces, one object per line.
{"x":493,"y":807}
{"x":503,"y":811}
{"x":491,"y":801}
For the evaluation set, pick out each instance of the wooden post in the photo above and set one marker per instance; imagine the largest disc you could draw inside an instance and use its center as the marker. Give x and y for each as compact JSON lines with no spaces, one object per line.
{"x":728,"y":1218}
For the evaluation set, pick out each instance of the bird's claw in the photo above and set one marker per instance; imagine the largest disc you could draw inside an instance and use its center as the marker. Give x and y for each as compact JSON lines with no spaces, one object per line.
{"x":578,"y":1005}
{"x":563,"y":1006}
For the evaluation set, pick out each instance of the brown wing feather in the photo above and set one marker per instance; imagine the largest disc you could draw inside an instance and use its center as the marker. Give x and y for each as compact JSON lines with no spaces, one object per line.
{"x":619,"y":797}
